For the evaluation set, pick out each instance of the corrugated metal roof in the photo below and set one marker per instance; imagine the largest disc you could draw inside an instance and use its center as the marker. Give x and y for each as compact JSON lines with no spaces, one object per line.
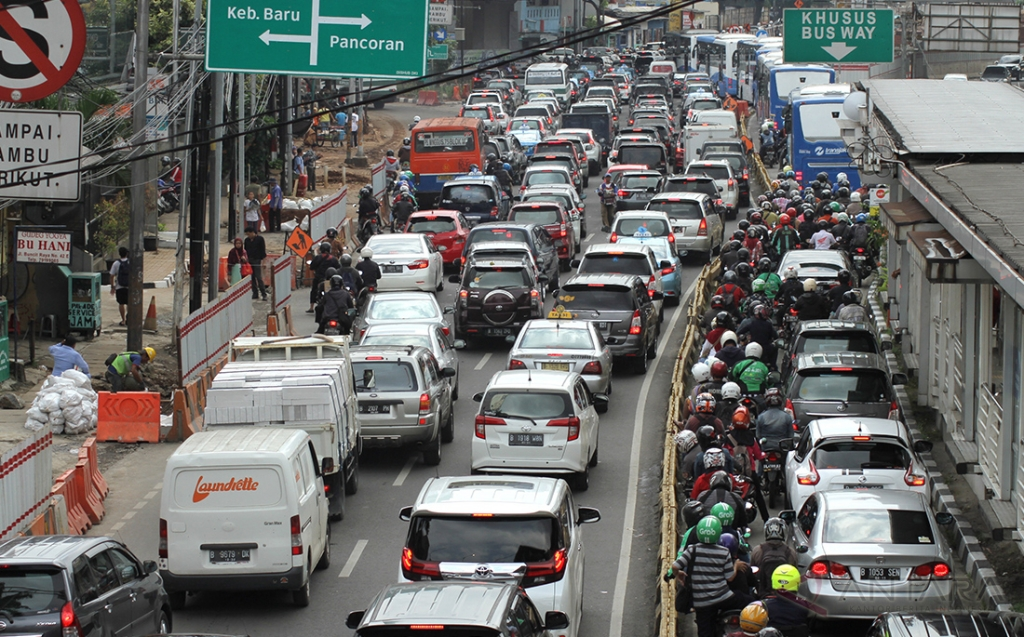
{"x":987,"y":197}
{"x":936,"y":116}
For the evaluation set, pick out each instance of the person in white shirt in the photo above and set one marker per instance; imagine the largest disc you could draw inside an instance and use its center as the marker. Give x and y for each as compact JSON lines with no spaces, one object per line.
{"x":354,"y":123}
{"x":823,"y":239}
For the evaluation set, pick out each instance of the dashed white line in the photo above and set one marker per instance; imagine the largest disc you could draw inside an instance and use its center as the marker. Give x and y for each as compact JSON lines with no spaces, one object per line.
{"x":151,"y":495}
{"x":589,"y":237}
{"x":117,"y":527}
{"x":158,"y":486}
{"x":353,"y":559}
{"x":483,"y":361}
{"x":141,"y":505}
{"x":404,"y":473}
{"x":128,"y":516}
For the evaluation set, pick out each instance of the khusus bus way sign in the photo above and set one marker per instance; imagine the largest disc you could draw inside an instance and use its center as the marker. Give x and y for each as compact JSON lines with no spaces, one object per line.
{"x":838,"y":35}
{"x":322,"y":38}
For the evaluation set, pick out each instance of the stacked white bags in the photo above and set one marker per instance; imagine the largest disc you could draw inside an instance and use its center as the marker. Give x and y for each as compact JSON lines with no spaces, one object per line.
{"x":66,"y":404}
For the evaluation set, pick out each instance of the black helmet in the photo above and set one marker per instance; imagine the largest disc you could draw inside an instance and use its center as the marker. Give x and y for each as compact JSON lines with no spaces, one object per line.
{"x":744,"y":270}
{"x":743,"y":254}
{"x":795,"y":201}
{"x":492,"y":157}
{"x":717,"y":301}
{"x":826,"y":193}
{"x":390,"y":153}
{"x":331,"y":272}
{"x":332,"y":233}
{"x":822,"y":223}
{"x":753,"y":232}
{"x":773,"y":397}
{"x":365,"y":192}
{"x":843,"y":276}
{"x":735,"y":244}
{"x":722,"y":319}
{"x":743,"y":225}
{"x":822,"y":177}
{"x":850,"y":298}
{"x":706,"y":436}
{"x":325,"y":248}
{"x":693,"y":512}
{"x":755,"y":217}
{"x":730,"y":277}
{"x":780,"y":194}
{"x":764,"y":265}
{"x":720,"y":480}
{"x":406,"y":141}
{"x":739,"y":235}
{"x":336,"y":282}
{"x":346,"y":260}
{"x":843,"y":193}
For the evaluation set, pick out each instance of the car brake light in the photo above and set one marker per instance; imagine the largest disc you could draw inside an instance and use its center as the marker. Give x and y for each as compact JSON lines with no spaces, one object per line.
{"x":825,"y":569}
{"x":445,"y":330}
{"x":463,"y":294}
{"x":494,"y":211}
{"x":811,"y":477}
{"x":534,"y":294}
{"x":799,"y":175}
{"x":702,"y":230}
{"x":894,"y":411}
{"x":862,"y":438}
{"x":296,"y":525}
{"x":746,"y":174}
{"x":671,"y":237}
{"x":482,"y":421}
{"x":614,"y":237}
{"x":515,"y":363}
{"x":561,"y":229}
{"x":593,"y":367}
{"x":418,"y":265}
{"x":913,"y":479}
{"x":546,"y":572}
{"x":792,"y":413}
{"x":621,"y":193}
{"x":424,"y":408}
{"x":162,"y":552}
{"x":415,"y":569}
{"x":572,"y":423}
{"x":668,"y":270}
{"x":69,"y":621}
{"x":932,"y":570}
{"x":635,"y":325}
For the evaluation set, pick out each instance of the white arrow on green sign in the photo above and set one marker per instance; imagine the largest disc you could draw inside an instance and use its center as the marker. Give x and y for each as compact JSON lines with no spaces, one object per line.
{"x":831,"y":36}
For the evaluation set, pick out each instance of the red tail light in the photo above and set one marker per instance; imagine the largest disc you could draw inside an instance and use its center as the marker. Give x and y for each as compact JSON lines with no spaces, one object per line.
{"x":614,"y":237}
{"x":913,"y":479}
{"x":932,"y":570}
{"x":546,"y":572}
{"x":534,"y":295}
{"x":296,"y":535}
{"x":731,"y":183}
{"x":69,"y":621}
{"x":418,"y":265}
{"x":572,"y":423}
{"x":894,"y":411}
{"x":463,"y":294}
{"x":424,"y":408}
{"x":668,"y":270}
{"x":799,"y":175}
{"x":621,"y":193}
{"x":561,"y":230}
{"x":482,"y":421}
{"x":671,"y":237}
{"x":515,"y":363}
{"x":443,"y":329}
{"x":792,"y":413}
{"x":162,"y":552}
{"x":702,"y":230}
{"x":825,"y":569}
{"x":494,"y":211}
{"x":746,"y":174}
{"x":771,"y":456}
{"x":811,"y":477}
{"x":635,"y":325}
{"x":593,"y":367}
{"x":415,"y":569}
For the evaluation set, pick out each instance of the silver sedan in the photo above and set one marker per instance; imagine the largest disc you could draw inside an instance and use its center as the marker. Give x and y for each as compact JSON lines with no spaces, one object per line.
{"x":428,"y":335}
{"x":566,"y":346}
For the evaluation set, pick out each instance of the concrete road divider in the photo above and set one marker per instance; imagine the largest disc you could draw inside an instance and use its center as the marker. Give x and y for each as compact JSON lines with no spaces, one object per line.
{"x":128,"y":416}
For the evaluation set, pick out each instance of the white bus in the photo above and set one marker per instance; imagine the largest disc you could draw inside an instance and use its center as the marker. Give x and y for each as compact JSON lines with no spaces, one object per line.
{"x":552,"y":77}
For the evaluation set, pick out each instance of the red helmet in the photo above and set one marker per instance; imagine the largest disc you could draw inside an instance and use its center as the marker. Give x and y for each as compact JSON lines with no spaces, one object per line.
{"x":705,"y":403}
{"x":719,"y":369}
{"x":791,"y":212}
{"x":784,"y":220}
{"x":741,"y":418}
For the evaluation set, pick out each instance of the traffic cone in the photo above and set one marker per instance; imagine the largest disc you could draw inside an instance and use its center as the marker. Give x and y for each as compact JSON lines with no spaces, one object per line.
{"x":150,"y":322}
{"x":271,"y":324}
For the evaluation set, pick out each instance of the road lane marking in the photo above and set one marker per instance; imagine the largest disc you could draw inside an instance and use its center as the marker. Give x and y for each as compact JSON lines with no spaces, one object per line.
{"x":633,"y":483}
{"x":158,"y":486}
{"x":588,"y":237}
{"x":141,"y":505}
{"x":151,"y":495}
{"x":128,"y":516}
{"x":353,"y":559}
{"x":483,"y":361}
{"x":117,"y":527}
{"x":404,"y":473}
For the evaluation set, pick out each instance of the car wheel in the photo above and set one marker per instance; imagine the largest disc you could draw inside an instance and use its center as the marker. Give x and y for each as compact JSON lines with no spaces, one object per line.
{"x":177,"y":599}
{"x":448,"y":431}
{"x":593,"y":459}
{"x":440,"y":283}
{"x":352,"y":481}
{"x":640,"y":364}
{"x":608,"y":390}
{"x":563,"y":265}
{"x":652,"y":349}
{"x":581,"y":480}
{"x":300,"y":596}
{"x":432,"y":455}
{"x":163,"y":626}
{"x":325,"y":557}
{"x":661,"y":313}
{"x":455,"y":390}
{"x":336,"y":505}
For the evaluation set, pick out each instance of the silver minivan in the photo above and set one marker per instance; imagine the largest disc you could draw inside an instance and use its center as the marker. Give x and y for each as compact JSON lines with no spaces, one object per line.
{"x":842,"y":384}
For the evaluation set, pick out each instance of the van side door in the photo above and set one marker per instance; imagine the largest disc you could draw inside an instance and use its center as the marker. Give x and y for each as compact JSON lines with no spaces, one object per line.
{"x":309,"y":499}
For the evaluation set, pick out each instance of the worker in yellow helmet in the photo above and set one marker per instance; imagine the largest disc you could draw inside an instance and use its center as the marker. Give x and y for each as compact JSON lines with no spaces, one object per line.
{"x":120,"y":366}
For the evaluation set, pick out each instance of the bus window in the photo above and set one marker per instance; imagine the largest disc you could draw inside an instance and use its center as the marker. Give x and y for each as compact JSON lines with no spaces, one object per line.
{"x":445,"y":141}
{"x":818,"y":122}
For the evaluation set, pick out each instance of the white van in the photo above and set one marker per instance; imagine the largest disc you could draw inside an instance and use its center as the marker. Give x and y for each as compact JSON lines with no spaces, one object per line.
{"x":695,"y":135}
{"x":550,"y":77}
{"x":662,"y":67}
{"x":316,"y":396}
{"x":243,"y":509}
{"x":715,"y":116}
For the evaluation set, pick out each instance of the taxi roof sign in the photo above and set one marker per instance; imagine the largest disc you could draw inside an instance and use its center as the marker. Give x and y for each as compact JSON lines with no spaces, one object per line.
{"x":642,"y":231}
{"x":559,"y":312}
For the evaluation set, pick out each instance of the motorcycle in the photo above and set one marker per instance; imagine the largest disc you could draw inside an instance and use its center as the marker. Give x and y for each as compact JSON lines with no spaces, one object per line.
{"x":771,"y":468}
{"x":369,"y":227}
{"x":167,"y":196}
{"x":862,"y":262}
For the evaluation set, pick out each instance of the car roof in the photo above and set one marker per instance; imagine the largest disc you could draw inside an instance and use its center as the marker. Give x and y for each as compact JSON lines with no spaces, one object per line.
{"x":689,"y":177}
{"x":463,"y":603}
{"x":546,"y":167}
{"x":560,"y":324}
{"x":398,"y":351}
{"x":685,"y":196}
{"x":843,"y":427}
{"x":252,"y":440}
{"x":436,"y":213}
{"x":833,"y":324}
{"x":401,"y":328}
{"x":491,"y":225}
{"x":700,"y":163}
{"x":823,"y":360}
{"x":490,"y":180}
{"x":400,"y":296}
{"x":512,"y":495}
{"x":505,"y":245}
{"x":46,"y":548}
{"x":958,"y":623}
{"x":532,"y":379}
{"x":873,"y":499}
{"x":641,"y":214}
{"x":495,"y":263}
{"x":603,"y":279}
{"x":635,"y":248}
{"x":644,"y":172}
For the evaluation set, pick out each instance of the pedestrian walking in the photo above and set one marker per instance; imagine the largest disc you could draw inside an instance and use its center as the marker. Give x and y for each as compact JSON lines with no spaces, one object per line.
{"x":256,"y":252}
{"x":276,"y":201}
{"x":120,"y":273}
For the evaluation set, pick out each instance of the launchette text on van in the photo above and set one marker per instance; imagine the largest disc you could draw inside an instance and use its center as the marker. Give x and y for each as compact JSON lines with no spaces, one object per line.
{"x":204,"y":489}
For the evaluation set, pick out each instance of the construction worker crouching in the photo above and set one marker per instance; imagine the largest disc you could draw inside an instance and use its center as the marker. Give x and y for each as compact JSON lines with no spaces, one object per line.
{"x":124,"y":371}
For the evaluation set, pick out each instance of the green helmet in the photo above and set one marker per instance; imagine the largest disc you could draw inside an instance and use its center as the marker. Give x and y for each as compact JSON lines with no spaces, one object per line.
{"x":724,"y":512}
{"x":836,"y":206}
{"x":709,"y":529}
{"x":757,"y":285}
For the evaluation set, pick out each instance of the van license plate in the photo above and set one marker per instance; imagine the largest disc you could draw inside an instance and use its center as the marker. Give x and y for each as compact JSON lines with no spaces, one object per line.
{"x":375,"y":409}
{"x":219,"y":556}
{"x":526,"y":440}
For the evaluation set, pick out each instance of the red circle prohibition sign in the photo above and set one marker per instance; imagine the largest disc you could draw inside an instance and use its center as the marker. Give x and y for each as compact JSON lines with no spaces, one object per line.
{"x":50,"y":36}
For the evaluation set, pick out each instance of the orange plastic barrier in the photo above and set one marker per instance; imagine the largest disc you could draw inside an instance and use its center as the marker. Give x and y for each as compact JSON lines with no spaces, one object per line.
{"x":88,"y":451}
{"x":78,"y":520}
{"x":427,"y":98}
{"x":271,"y":324}
{"x":128,"y":416}
{"x":189,"y":402}
{"x":86,"y":494}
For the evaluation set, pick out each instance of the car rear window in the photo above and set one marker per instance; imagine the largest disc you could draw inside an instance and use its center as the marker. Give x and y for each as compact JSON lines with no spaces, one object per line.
{"x":678,"y":209}
{"x":483,"y":539}
{"x":685,"y":185}
{"x":615,"y":264}
{"x":414,"y":340}
{"x":532,"y":111}
{"x":837,"y":342}
{"x":715,"y":172}
{"x":387,"y":376}
{"x":858,"y":386}
{"x":400,"y":309}
{"x":565,"y":200}
{"x":536,"y":405}
{"x":477,"y":113}
{"x":432,"y":224}
{"x":649,"y":155}
{"x":556,"y":338}
{"x":519,"y":235}
{"x":544,"y":215}
{"x":734,"y":160}
{"x":858,"y":455}
{"x":612,"y":298}
{"x":444,"y":141}
{"x":385,"y":247}
{"x":467,"y":194}
{"x":704,"y":105}
{"x":546,"y":177}
{"x":28,"y":591}
{"x":492,"y":278}
{"x":640,"y":227}
{"x":878,"y":527}
{"x":641,"y":182}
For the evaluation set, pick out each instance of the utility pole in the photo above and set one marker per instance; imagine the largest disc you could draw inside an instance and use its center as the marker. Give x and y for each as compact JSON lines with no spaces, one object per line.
{"x":348,"y":121}
{"x":197,"y":214}
{"x":285,"y":134}
{"x":240,"y":153}
{"x":216,"y":176}
{"x":138,"y":215}
{"x":362,"y":120}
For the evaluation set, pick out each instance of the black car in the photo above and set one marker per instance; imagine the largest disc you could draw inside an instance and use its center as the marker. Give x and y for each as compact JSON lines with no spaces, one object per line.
{"x":650,"y":154}
{"x":622,"y":309}
{"x":636,"y":188}
{"x":695,"y":183}
{"x":545,"y":253}
{"x":64,"y":585}
{"x":831,"y":335}
{"x":479,"y":199}
{"x":496,"y":298}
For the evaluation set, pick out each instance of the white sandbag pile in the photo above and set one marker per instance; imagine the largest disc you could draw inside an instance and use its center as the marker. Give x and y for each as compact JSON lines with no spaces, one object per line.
{"x":66,"y":405}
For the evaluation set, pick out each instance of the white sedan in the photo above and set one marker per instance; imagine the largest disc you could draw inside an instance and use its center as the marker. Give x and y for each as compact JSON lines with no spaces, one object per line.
{"x":564,"y":345}
{"x":407,"y":262}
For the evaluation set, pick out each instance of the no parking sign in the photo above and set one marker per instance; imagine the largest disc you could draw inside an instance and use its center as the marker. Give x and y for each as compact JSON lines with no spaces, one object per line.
{"x":879,"y":194}
{"x":41,"y":46}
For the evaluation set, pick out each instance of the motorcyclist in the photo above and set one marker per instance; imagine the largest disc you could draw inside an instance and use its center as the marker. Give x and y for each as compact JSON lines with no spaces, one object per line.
{"x":712,"y":343}
{"x":337,"y":243}
{"x":806,"y":228}
{"x":772,"y":281}
{"x":704,"y":414}
{"x":784,"y":615}
{"x":741,"y":442}
{"x":842,"y":227}
{"x":859,"y":233}
{"x":730,"y":354}
{"x":730,"y":291}
{"x":810,"y":305}
{"x":774,"y":424}
{"x":369,"y":271}
{"x":319,"y":266}
{"x":751,"y":373}
{"x":391,"y":165}
{"x":823,"y":239}
{"x":351,"y":278}
{"x":717,"y":305}
{"x":785,"y":238}
{"x":836,"y":292}
{"x":790,"y":289}
{"x":761,"y":331}
{"x":368,"y":207}
{"x":401,"y":210}
{"x":731,"y":395}
{"x":772,"y":553}
{"x":708,"y":440}
{"x":718,"y":371}
{"x":855,"y":206}
{"x":496,"y":168}
{"x":720,"y":489}
{"x":336,"y":304}
{"x":744,"y":277}
{"x":851,"y":309}
{"x":754,"y":621}
{"x":753,"y":243}
{"x":405,"y":152}
{"x":709,"y":462}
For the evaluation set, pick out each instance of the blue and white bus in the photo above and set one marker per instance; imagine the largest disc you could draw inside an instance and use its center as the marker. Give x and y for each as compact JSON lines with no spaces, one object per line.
{"x":747,"y":52}
{"x":784,"y":78}
{"x":815,"y":144}
{"x":718,"y":57}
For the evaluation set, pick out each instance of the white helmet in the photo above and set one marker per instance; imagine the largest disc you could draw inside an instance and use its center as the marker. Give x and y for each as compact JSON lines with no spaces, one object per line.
{"x":701,"y":372}
{"x":841,"y":177}
{"x":810,"y":285}
{"x":790,"y":273}
{"x":726,"y":337}
{"x":855,"y":197}
{"x":685,"y":440}
{"x":366,"y":253}
{"x":416,"y":120}
{"x":731,"y":390}
{"x":753,"y":350}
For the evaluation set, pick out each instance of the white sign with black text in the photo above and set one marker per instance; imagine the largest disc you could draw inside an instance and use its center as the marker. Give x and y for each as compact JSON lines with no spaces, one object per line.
{"x":40,"y":246}
{"x":440,"y":13}
{"x":36,"y":147}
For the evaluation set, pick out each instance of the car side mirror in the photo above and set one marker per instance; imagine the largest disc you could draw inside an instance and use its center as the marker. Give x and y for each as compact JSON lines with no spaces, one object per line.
{"x":665,"y":263}
{"x":448,"y":372}
{"x":601,"y":403}
{"x":588,"y":515}
{"x":899,"y":378}
{"x":478,"y":397}
{"x":459,"y":344}
{"x":788,"y":516}
{"x":354,"y":618}
{"x":575,"y":263}
{"x":405,"y":514}
{"x":923,"y":446}
{"x":555,"y":620}
{"x":780,"y":343}
{"x":802,"y":548}
{"x":149,"y":566}
{"x":886,"y":345}
{"x":449,"y":309}
{"x":944,"y":518}
{"x":327,"y":466}
{"x":454,"y":279}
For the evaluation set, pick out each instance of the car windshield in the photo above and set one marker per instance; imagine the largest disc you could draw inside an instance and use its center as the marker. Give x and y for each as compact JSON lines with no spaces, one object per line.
{"x":476,"y":113}
{"x":519,"y":235}
{"x":556,"y":338}
{"x":534,"y":405}
{"x":26,"y":591}
{"x":414,"y":340}
{"x":492,"y":278}
{"x":532,"y":111}
{"x":994,"y":72}
{"x":852,"y":386}
{"x":722,"y":148}
{"x":641,"y":182}
{"x":837,"y":342}
{"x":385,"y":247}
{"x":387,"y":376}
{"x":432,"y":224}
{"x":678,"y":209}
{"x":649,"y":155}
{"x":628,"y":227}
{"x":528,"y":124}
{"x":543,"y":215}
{"x":704,"y":105}
{"x":482,"y":540}
{"x":616,"y":264}
{"x":467,"y":194}
{"x":692,"y":185}
{"x":400,"y":310}
{"x":546,"y":177}
{"x":484,"y":99}
{"x":857,"y":526}
{"x":856,"y":455}
{"x":715,"y":172}
{"x":602,"y":298}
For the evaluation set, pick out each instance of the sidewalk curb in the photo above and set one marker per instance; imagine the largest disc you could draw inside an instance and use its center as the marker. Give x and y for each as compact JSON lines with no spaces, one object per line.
{"x":965,"y":544}
{"x":166,"y":282}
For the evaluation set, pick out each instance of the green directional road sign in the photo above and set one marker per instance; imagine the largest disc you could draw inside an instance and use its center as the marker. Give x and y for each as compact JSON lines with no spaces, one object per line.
{"x":834,"y":36}
{"x":318,"y":38}
{"x":437,"y":52}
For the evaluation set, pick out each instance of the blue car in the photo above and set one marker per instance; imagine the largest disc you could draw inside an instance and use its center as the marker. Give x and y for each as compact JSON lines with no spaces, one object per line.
{"x":671,"y":279}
